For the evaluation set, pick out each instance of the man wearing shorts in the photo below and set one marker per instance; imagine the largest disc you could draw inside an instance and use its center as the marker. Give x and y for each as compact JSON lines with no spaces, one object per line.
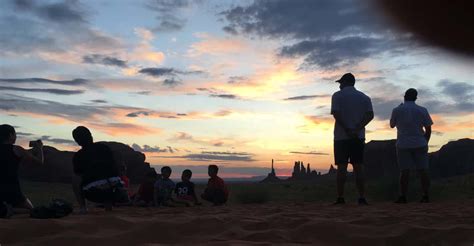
{"x":412,"y":142}
{"x":352,"y":111}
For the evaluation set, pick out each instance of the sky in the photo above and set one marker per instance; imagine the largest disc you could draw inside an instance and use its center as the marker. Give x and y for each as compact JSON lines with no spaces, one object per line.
{"x":233,"y":83}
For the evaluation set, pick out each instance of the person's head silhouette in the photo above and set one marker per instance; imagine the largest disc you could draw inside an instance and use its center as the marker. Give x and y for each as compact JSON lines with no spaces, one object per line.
{"x":166,"y":172}
{"x":213,"y":170}
{"x":186,"y":175}
{"x":347,"y":79}
{"x":411,"y":95}
{"x":7,"y":134}
{"x":82,"y":136}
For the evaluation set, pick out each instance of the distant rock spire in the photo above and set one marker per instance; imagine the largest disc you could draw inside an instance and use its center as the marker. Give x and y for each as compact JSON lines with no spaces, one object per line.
{"x":273,"y":170}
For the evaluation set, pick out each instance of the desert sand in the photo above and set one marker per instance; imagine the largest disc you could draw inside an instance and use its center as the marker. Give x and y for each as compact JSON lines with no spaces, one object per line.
{"x":447,"y":223}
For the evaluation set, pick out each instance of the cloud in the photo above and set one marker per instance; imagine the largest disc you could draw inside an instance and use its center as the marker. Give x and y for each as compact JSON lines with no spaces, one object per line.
{"x":149,"y":149}
{"x":455,"y":98}
{"x":104,"y":60}
{"x":458,"y":91}
{"x":58,"y":140}
{"x":169,"y":13}
{"x":171,"y":82}
{"x":74,"y":82}
{"x":226,"y":96}
{"x":158,"y":72}
{"x":67,"y":11}
{"x":334,"y":53}
{"x":220,"y":156}
{"x":164,"y":71}
{"x":138,"y":113}
{"x":355,"y":30}
{"x":51,"y":91}
{"x":217,"y":93}
{"x":171,"y":75}
{"x":210,"y":45}
{"x":308,"y":153}
{"x":236,"y":79}
{"x":297,"y":98}
{"x":99,"y":101}
{"x":102,"y":118}
{"x":57,"y":31}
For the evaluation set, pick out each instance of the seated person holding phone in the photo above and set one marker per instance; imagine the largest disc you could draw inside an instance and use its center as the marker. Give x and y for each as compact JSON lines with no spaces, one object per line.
{"x":11,"y":157}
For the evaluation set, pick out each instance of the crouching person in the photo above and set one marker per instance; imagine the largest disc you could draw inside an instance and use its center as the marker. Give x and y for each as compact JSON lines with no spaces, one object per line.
{"x":216,"y":191}
{"x":96,"y":173}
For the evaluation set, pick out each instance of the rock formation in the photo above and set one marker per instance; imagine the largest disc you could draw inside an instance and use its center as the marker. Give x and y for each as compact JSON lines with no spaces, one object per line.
{"x":302,"y":173}
{"x":57,"y":165}
{"x":271,"y":177}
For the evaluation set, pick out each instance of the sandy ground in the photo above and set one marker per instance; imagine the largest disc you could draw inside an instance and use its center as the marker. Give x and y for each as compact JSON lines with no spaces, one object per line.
{"x":305,"y":223}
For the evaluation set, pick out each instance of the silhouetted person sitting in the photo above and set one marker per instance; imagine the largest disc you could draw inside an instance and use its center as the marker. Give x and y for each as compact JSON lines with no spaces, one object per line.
{"x":11,"y":157}
{"x":164,"y":188}
{"x":145,"y":193}
{"x":185,"y":192}
{"x":97,"y":176}
{"x":216,"y":190}
{"x":352,"y":111}
{"x":412,"y":142}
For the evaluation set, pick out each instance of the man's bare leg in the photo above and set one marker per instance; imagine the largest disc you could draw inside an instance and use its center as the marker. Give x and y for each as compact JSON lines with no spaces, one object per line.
{"x":425,"y":184}
{"x":76,"y":187}
{"x":341,"y":179}
{"x":404,"y":178}
{"x":360,"y":179}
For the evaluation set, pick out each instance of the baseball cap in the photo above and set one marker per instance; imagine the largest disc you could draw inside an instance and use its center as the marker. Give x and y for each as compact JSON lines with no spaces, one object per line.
{"x":348,"y":77}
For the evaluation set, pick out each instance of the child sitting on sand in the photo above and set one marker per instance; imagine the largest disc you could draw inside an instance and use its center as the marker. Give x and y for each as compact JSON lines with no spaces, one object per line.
{"x":216,"y":190}
{"x":185,"y":193}
{"x":144,"y":196}
{"x":164,"y":188}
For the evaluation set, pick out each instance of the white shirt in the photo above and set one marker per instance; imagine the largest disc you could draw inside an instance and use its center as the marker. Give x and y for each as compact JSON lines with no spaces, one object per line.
{"x":410,"y":119}
{"x":352,"y":105}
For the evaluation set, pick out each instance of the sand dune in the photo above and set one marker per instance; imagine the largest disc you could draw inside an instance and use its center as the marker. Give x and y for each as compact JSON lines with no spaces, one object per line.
{"x":305,"y":223}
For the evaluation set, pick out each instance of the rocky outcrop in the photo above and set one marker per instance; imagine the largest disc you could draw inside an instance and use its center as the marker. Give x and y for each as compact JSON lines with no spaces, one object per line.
{"x":454,"y":158}
{"x":380,"y":159}
{"x":57,"y":165}
{"x":271,"y":177}
{"x":302,"y":173}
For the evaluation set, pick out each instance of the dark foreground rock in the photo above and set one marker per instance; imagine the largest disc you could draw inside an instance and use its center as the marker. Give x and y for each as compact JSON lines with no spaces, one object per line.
{"x":58,"y":164}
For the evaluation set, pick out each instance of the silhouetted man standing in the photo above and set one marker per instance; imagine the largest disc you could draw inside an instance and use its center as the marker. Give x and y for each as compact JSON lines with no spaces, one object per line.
{"x":352,"y":111}
{"x":412,"y":142}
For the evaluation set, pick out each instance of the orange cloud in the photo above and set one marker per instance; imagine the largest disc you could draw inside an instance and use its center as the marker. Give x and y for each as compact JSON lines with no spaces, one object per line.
{"x":215,"y":46}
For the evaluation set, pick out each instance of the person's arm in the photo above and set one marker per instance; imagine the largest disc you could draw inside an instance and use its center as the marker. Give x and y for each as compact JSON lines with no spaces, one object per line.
{"x":368,"y":117}
{"x":393,"y":119}
{"x":427,"y":122}
{"x":36,"y":157}
{"x":350,"y":132}
{"x":427,"y":133}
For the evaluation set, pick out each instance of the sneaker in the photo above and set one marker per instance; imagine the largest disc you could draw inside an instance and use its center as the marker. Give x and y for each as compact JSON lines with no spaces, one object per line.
{"x":401,"y":200}
{"x":339,"y":201}
{"x":425,"y":199}
{"x":362,"y":201}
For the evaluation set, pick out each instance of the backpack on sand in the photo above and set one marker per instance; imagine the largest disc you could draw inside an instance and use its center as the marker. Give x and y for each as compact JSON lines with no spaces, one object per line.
{"x":58,"y":208}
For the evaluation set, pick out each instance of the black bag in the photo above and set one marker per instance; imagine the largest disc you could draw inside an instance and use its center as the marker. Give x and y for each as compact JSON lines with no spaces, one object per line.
{"x":58,"y":208}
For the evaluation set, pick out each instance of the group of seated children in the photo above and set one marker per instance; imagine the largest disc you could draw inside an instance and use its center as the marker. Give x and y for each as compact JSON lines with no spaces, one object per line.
{"x":157,"y":190}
